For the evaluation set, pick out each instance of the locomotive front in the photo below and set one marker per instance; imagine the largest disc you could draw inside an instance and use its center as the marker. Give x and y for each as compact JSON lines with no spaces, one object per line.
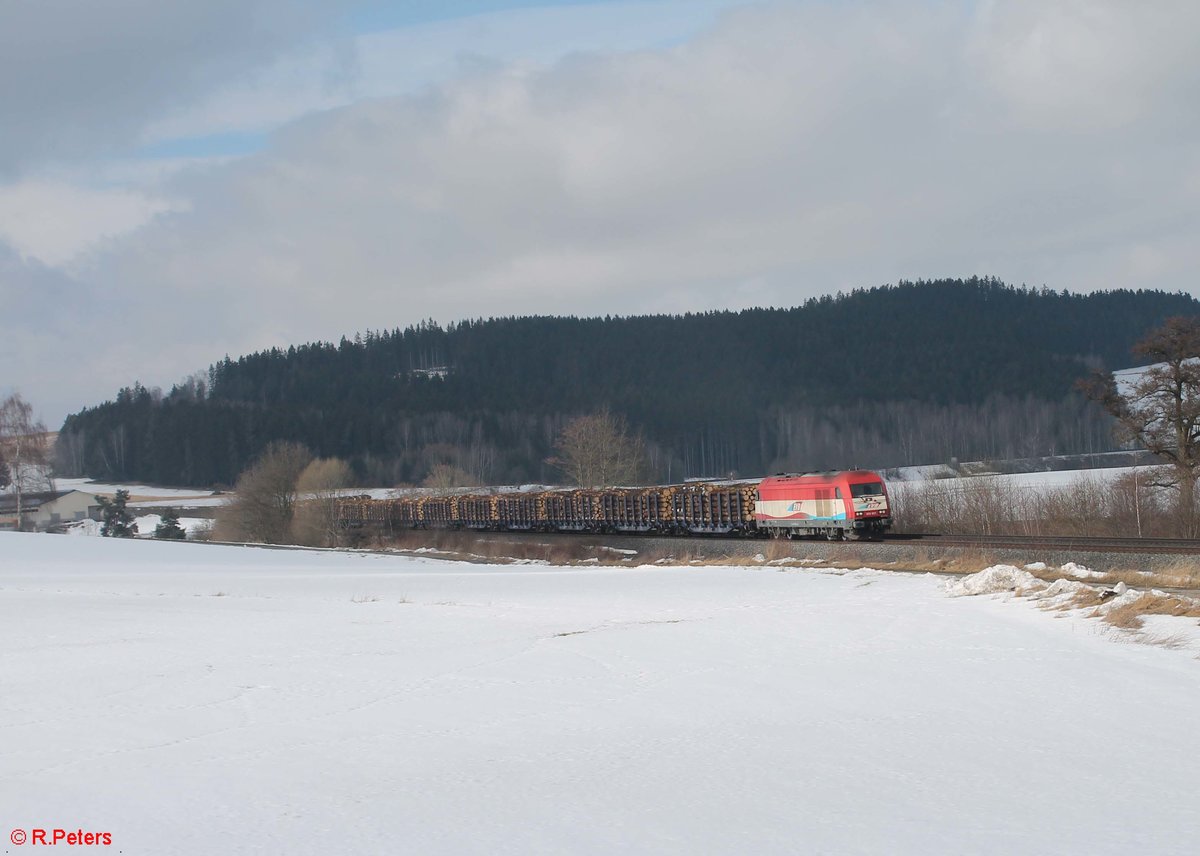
{"x":832,"y":505}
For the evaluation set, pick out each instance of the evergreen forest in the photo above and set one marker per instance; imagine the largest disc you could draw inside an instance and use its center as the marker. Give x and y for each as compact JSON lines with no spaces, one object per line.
{"x":912,"y":373}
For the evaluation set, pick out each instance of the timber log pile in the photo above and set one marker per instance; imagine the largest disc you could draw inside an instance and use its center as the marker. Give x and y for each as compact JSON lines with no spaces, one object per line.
{"x":693,"y":507}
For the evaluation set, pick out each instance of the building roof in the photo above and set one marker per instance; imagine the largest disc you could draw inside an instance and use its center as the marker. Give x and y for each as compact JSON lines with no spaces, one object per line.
{"x":32,"y":501}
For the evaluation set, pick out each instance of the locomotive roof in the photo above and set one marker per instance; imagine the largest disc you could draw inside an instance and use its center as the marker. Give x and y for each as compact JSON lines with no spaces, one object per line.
{"x":827,"y":474}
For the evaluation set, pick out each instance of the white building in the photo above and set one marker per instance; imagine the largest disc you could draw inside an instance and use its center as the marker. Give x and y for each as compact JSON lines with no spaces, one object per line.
{"x":46,"y":509}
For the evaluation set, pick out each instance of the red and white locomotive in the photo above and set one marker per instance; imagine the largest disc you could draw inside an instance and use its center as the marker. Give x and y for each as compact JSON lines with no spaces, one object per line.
{"x":831,"y":504}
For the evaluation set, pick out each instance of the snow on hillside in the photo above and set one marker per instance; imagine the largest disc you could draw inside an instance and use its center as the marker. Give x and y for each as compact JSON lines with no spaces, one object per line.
{"x":1025,"y":481}
{"x":1062,"y":478}
{"x":1125,"y":379}
{"x":198,"y":699}
{"x":148,"y":494}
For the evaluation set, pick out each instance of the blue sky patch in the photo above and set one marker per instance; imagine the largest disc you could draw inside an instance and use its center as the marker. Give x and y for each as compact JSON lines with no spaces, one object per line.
{"x":226,"y":144}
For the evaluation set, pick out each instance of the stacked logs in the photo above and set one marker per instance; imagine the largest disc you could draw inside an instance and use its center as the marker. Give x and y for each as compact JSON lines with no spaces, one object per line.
{"x":695,"y":507}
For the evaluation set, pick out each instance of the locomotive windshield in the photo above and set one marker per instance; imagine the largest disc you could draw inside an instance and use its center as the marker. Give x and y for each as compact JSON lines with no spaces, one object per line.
{"x":866,"y":489}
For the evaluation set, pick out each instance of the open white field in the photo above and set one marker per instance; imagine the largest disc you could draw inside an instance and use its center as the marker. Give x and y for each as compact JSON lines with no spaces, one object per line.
{"x":201,"y":699}
{"x":192,"y":496}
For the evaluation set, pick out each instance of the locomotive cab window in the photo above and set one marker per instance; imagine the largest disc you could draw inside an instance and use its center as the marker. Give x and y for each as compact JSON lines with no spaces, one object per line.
{"x":866,"y":489}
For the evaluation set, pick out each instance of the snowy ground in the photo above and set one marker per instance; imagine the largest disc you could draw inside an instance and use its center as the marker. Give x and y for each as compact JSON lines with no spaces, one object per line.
{"x":202,"y":699}
{"x":1038,"y":480}
{"x":1064,"y":478}
{"x":157,"y":494}
{"x":146,"y":524}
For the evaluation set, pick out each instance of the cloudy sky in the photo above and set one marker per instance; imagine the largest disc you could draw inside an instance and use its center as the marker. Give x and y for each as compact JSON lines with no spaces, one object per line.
{"x":182,"y":180}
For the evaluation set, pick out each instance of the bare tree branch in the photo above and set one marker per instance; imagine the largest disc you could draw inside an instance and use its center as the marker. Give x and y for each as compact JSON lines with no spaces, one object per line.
{"x":1160,"y":409}
{"x":598,"y":450}
{"x":24,"y":449}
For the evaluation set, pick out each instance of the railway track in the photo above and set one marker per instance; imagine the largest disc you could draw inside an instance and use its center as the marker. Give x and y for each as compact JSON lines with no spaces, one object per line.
{"x":1065,"y":543}
{"x":1058,"y":543}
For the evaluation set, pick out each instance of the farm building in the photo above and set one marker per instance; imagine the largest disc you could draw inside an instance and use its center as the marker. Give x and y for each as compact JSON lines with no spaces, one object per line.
{"x":48,"y":508}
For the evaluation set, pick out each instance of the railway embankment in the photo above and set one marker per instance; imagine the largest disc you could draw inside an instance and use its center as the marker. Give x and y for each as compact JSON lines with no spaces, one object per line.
{"x":1173,"y":564}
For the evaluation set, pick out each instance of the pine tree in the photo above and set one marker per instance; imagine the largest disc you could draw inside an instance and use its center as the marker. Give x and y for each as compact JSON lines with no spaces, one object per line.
{"x":117,"y":521}
{"x":169,"y":528}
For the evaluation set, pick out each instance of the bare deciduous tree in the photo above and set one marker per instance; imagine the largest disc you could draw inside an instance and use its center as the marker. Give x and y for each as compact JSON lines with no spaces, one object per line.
{"x":1089,"y":505}
{"x":265,"y":501}
{"x":444,"y":476}
{"x":320,"y":486}
{"x":1160,"y":408}
{"x":598,"y":450}
{"x":24,"y":448}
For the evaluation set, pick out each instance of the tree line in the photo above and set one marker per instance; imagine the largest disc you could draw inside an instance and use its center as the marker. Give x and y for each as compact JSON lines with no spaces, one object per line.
{"x":909,"y":373}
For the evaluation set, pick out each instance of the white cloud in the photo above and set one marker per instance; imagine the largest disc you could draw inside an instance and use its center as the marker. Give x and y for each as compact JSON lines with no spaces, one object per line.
{"x":82,"y":77}
{"x":53,"y":221}
{"x":1091,"y":65}
{"x":794,"y":149}
{"x":337,"y":72}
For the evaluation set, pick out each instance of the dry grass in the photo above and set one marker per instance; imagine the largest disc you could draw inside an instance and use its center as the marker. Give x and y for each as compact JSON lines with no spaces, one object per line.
{"x":1128,"y":616}
{"x":970,"y":561}
{"x":1085,"y":598}
{"x":1174,"y":642}
{"x":1182,"y":573}
{"x":778,"y":549}
{"x":1087,"y":506}
{"x":684,"y":555}
{"x":471,"y":547}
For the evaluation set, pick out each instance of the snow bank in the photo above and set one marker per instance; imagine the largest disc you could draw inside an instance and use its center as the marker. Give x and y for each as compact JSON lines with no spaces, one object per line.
{"x":1002,"y":578}
{"x":1171,"y":630}
{"x":1059,"y":593}
{"x":998,"y":578}
{"x":1081,"y":572}
{"x":85,"y":527}
{"x":146,"y":524}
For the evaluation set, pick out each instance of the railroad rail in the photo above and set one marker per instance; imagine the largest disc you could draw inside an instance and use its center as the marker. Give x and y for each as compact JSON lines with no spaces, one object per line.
{"x":1066,"y":543}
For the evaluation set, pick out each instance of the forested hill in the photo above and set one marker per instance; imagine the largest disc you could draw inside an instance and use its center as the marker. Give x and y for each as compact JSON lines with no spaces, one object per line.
{"x":914,"y":372}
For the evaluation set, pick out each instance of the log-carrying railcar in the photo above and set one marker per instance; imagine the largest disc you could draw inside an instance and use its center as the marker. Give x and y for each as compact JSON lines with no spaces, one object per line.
{"x":832,"y":505}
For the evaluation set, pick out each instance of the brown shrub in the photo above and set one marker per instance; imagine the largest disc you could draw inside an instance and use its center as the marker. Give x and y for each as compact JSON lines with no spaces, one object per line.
{"x":778,"y":548}
{"x":1129,"y":615}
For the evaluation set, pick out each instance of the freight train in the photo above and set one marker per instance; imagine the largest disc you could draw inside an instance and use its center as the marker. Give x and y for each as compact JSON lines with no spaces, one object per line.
{"x":833,"y":505}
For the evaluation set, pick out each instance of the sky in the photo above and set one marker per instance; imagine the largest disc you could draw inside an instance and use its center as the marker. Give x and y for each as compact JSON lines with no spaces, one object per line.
{"x":182,"y":181}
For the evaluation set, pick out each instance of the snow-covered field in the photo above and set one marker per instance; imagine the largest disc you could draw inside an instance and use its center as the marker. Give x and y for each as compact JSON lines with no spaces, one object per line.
{"x":1033,"y":481}
{"x":1064,"y":478}
{"x":193,"y":495}
{"x":146,"y":524}
{"x":202,"y":699}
